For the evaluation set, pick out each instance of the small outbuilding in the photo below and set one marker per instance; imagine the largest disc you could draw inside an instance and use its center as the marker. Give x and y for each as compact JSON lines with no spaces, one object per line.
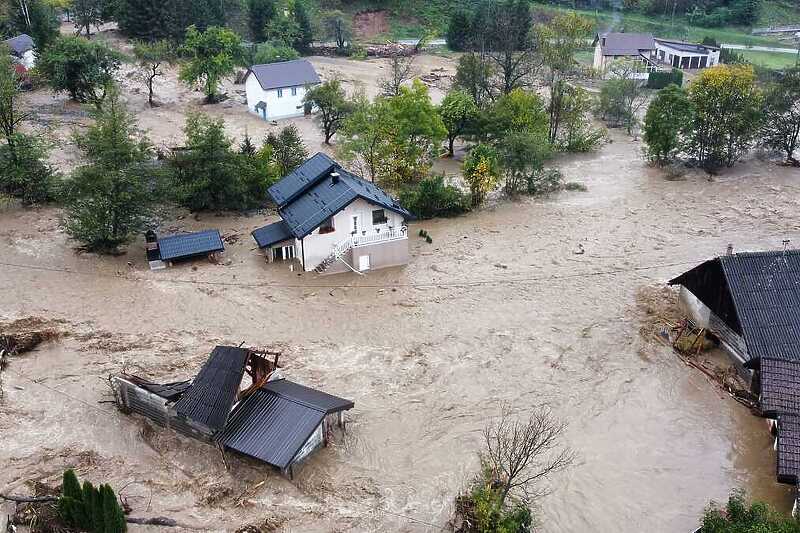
{"x":166,"y":250}
{"x":276,"y":90}
{"x":683,"y":55}
{"x":22,"y":50}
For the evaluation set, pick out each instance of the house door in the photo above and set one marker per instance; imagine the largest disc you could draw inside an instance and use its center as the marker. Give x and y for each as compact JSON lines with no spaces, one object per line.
{"x":363,"y":263}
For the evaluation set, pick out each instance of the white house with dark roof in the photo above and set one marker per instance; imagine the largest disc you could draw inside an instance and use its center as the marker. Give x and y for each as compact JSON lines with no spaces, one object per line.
{"x":683,"y":55}
{"x":22,"y":50}
{"x":276,"y":90}
{"x":334,"y":221}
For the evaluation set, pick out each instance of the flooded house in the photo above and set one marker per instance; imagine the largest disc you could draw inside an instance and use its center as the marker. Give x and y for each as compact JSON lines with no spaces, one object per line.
{"x":22,"y":49}
{"x":334,"y":221}
{"x":276,"y":90}
{"x":271,"y":419}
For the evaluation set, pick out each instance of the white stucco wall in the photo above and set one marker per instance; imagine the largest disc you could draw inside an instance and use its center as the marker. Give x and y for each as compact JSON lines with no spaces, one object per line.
{"x":597,"y":64}
{"x":317,"y":247}
{"x":28,"y":59}
{"x":669,"y":53}
{"x":284,"y":106}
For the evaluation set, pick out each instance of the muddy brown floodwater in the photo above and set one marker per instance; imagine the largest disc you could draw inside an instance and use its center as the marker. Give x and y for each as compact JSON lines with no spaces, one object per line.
{"x":497,"y":309}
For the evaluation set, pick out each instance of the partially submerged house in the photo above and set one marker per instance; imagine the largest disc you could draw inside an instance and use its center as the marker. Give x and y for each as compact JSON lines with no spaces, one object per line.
{"x":651,"y":54}
{"x":334,"y":221}
{"x":22,"y":50}
{"x":162,"y":251}
{"x":276,"y":90}
{"x":273,"y":420}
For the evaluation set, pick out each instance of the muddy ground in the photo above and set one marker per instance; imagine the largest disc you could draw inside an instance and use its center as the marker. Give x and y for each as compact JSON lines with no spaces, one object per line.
{"x":499,"y":308}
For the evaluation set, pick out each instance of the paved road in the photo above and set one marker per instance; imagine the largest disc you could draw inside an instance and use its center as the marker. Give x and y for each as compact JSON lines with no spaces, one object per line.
{"x":759,"y":48}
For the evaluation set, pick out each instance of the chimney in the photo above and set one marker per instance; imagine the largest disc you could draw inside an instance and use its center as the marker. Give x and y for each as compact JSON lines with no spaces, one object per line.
{"x":729,"y":251}
{"x":334,"y":178}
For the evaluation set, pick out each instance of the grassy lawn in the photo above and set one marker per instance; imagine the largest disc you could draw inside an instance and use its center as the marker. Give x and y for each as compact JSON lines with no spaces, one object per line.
{"x":778,"y":13}
{"x":769,"y":59}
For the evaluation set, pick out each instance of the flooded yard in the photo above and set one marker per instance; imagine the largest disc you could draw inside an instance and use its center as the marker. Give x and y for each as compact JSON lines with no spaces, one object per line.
{"x":499,"y":308}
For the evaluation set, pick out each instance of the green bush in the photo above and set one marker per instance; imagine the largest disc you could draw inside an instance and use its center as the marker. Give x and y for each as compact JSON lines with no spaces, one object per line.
{"x":24,"y":172}
{"x":740,"y":516}
{"x":545,"y":181}
{"x":91,"y":509}
{"x":431,"y":197}
{"x":484,"y":512}
{"x":659,"y":80}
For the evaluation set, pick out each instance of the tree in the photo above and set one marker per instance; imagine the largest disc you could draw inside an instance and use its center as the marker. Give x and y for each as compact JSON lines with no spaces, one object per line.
{"x":505,"y":42}
{"x":272,"y":53}
{"x":36,"y":19}
{"x":622,"y":96}
{"x":89,"y":508}
{"x":458,"y":35}
{"x":522,"y":155}
{"x":283,"y":29}
{"x":288,"y":149}
{"x":113,"y":517}
{"x":781,"y":126}
{"x":577,"y":133}
{"x":739,"y":516}
{"x":24,"y":172}
{"x":481,"y":172}
{"x":401,"y":70}
{"x":365,"y":135}
{"x":152,"y":56}
{"x":727,"y":114}
{"x":11,"y":116}
{"x":210,"y":175}
{"x":85,"y":69}
{"x":474,"y":75}
{"x":432,"y":197}
{"x":305,"y":35}
{"x":669,"y":114}
{"x":458,"y":112}
{"x":517,"y":112}
{"x":212,"y":56}
{"x":332,"y":105}
{"x":109,"y":199}
{"x":260,"y":13}
{"x":558,"y":42}
{"x":153,"y":20}
{"x":88,"y":13}
{"x":337,"y":27}
{"x":523,"y":453}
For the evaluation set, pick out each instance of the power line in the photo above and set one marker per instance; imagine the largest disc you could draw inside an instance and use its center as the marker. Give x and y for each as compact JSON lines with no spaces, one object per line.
{"x":266,"y":284}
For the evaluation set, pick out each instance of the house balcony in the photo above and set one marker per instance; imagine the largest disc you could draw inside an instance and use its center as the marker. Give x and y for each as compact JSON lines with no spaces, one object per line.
{"x":367,"y":237}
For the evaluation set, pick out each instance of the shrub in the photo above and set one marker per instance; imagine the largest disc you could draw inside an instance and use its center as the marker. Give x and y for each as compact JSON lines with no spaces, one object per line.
{"x":545,"y":181}
{"x":740,"y":515}
{"x":24,"y":172}
{"x":575,"y":186}
{"x":273,"y":53}
{"x":659,"y":80}
{"x":431,"y":197}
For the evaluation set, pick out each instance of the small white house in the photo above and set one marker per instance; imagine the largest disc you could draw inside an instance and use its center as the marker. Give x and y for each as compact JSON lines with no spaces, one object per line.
{"x":276,"y":90}
{"x":685,"y":55}
{"x":22,"y":50}
{"x":334,"y":221}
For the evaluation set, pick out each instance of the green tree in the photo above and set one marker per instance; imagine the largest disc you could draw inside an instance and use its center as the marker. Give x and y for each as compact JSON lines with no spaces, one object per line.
{"x":153,"y":20}
{"x":210,"y":175}
{"x":474,"y":76}
{"x":519,"y":111}
{"x":577,"y":133}
{"x":283,"y":29}
{"x":740,"y":516}
{"x":365,"y":135}
{"x":727,"y":115}
{"x":332,"y":105}
{"x":669,"y":114}
{"x":337,"y":26}
{"x":273,"y":52}
{"x":11,"y":114}
{"x":622,"y":96}
{"x":288,"y":149}
{"x":459,"y":38}
{"x":260,"y":13}
{"x":109,"y":199}
{"x":432,"y":197}
{"x":88,"y":13}
{"x":558,"y":42}
{"x":459,"y":112}
{"x":481,"y":172}
{"x":36,"y":19}
{"x":781,"y":125}
{"x":24,"y":172}
{"x":70,"y":504}
{"x":84,"y":69}
{"x":305,"y":35}
{"x":152,"y":56}
{"x":113,"y":517}
{"x":522,"y":155}
{"x":503,"y":31}
{"x":212,"y":56}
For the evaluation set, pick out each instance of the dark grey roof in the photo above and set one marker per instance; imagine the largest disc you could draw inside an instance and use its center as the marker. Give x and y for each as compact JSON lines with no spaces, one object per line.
{"x":757,"y":295}
{"x":687,"y":47}
{"x":780,"y":387}
{"x":189,"y":245}
{"x":271,"y":234}
{"x":274,"y":423}
{"x":325,"y":198}
{"x":788,"y":449}
{"x":214,"y":389}
{"x":626,"y":44}
{"x":301,"y":178}
{"x":20,"y":44}
{"x":285,"y":74}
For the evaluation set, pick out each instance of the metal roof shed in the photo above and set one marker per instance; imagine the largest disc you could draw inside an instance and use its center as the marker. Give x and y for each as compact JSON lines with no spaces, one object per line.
{"x":276,"y":423}
{"x":188,"y":245}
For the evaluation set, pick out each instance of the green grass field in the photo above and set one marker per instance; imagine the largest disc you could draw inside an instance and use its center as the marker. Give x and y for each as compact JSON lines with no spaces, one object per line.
{"x":769,"y":59}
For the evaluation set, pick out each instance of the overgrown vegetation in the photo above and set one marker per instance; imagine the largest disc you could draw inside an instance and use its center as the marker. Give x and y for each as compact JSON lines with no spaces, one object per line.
{"x":740,"y":516}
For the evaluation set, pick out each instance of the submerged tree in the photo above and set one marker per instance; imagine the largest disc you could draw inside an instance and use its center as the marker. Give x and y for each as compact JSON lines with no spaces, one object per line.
{"x":109,"y":199}
{"x":781,"y":126}
{"x":401,"y":70}
{"x":287,"y":149}
{"x":668,"y":116}
{"x":213,"y":55}
{"x":332,"y":105}
{"x":459,"y":112}
{"x":739,"y":515}
{"x":152,"y":56}
{"x":622,"y":96}
{"x":481,"y":172}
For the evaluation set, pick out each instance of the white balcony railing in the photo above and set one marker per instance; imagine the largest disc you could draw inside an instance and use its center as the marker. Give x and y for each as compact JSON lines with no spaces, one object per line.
{"x":392,"y":234}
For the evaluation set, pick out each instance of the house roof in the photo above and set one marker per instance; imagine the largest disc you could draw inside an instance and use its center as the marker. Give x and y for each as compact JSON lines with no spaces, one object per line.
{"x":190,"y":244}
{"x":757,"y":295}
{"x":687,"y":47}
{"x":20,"y":44}
{"x":271,"y":234}
{"x":214,"y":389}
{"x":788,"y":449}
{"x":275,"y":422}
{"x":626,"y":44}
{"x":308,"y":196}
{"x":780,"y":387}
{"x":285,"y":74}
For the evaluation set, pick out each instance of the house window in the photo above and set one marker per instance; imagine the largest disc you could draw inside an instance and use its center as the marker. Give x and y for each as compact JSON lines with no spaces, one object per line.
{"x":379,"y":217}
{"x":326,"y":227}
{"x":280,"y":93}
{"x":294,"y":91}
